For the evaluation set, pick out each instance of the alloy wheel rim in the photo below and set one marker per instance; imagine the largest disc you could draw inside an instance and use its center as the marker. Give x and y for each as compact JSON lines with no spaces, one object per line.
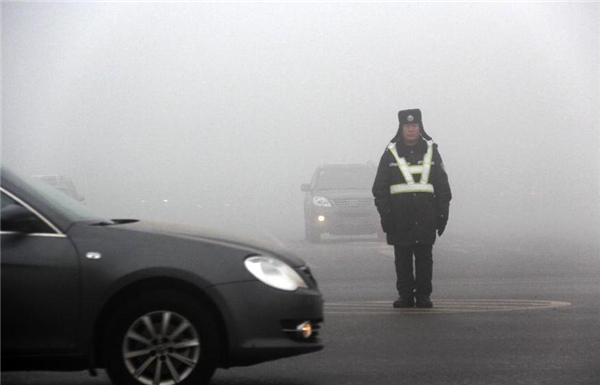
{"x":161,"y":348}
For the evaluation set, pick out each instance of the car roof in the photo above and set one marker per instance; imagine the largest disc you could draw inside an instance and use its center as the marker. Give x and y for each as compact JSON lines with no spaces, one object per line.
{"x":347,"y":165}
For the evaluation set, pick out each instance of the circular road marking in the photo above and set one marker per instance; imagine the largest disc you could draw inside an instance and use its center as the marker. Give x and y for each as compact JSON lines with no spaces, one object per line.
{"x":442,"y":306}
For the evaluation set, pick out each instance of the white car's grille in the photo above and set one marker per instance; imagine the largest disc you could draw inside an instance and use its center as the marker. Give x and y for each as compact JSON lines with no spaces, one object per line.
{"x":353,"y":202}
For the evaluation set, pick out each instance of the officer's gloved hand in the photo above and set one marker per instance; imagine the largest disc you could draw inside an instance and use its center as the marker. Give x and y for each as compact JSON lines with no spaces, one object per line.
{"x":441,"y":230}
{"x":441,"y":225}
{"x":386,"y":224}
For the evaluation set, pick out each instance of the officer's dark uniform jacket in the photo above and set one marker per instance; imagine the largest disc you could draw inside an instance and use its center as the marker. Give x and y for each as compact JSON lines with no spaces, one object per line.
{"x":411,"y":218}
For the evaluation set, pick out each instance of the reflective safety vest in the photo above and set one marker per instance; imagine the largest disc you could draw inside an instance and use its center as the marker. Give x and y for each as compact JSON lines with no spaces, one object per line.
{"x":408,"y":171}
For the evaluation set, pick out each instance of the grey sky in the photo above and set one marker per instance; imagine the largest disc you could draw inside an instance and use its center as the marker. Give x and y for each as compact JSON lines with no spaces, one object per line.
{"x":210,"y":104}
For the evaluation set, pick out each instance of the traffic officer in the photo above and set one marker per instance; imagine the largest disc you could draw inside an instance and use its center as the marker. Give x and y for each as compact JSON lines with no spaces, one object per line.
{"x":412,"y":195}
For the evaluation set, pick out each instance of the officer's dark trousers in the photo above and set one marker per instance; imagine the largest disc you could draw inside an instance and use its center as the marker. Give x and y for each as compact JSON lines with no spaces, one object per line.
{"x":418,"y":283}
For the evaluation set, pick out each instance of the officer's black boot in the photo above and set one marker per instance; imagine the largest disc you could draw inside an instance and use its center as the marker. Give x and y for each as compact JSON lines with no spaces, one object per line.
{"x":404,"y":302}
{"x":423,"y":301}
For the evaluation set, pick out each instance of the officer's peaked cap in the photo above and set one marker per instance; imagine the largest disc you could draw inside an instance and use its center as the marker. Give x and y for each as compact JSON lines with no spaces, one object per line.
{"x":407,"y":117}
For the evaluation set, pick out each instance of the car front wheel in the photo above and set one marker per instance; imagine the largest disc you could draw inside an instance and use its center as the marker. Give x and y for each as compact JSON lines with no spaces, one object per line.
{"x":162,"y":338}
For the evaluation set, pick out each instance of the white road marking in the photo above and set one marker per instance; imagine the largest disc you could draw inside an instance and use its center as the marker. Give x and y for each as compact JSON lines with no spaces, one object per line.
{"x":441,"y":306}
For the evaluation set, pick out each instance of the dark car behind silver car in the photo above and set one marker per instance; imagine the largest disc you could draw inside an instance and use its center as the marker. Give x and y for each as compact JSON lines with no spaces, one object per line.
{"x":62,"y":183}
{"x":151,"y":303}
{"x":339,"y":201}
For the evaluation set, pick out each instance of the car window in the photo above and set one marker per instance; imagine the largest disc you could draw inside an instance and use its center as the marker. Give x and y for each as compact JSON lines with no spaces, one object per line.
{"x":9,"y":222}
{"x":345,"y":178}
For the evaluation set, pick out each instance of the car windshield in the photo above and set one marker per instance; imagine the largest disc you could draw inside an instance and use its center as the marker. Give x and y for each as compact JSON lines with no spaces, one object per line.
{"x":65,"y":204}
{"x":351,"y":178}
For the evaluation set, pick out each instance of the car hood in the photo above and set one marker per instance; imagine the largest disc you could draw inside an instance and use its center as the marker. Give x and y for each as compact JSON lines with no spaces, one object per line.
{"x":344,"y":194}
{"x":254,"y":243}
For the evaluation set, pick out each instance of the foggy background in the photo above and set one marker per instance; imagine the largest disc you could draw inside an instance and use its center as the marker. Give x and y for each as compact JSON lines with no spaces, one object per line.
{"x":214,"y":114}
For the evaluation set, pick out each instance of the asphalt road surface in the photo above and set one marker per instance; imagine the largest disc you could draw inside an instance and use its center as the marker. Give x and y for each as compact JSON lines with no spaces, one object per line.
{"x":512,"y":311}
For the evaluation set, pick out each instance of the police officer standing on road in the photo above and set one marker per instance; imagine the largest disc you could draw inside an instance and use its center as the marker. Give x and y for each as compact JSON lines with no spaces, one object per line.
{"x":412,"y":195}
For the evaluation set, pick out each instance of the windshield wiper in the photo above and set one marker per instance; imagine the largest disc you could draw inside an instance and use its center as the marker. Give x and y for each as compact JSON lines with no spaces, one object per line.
{"x":123,"y":221}
{"x":112,"y":222}
{"x":103,"y":223}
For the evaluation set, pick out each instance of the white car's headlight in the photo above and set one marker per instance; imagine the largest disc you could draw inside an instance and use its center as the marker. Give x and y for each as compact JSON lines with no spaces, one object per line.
{"x":321,"y":201}
{"x":274,"y":272}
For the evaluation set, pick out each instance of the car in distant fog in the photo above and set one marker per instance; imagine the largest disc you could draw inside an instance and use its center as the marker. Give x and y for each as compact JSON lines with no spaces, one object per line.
{"x":338,"y":201}
{"x":62,"y":183}
{"x":152,"y":303}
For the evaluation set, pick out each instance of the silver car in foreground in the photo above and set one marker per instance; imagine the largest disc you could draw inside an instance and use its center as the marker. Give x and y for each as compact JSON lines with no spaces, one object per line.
{"x":151,"y":303}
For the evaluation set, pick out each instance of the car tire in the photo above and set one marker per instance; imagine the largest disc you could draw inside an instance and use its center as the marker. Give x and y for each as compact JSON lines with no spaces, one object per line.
{"x":311,"y":234}
{"x":163,"y":337}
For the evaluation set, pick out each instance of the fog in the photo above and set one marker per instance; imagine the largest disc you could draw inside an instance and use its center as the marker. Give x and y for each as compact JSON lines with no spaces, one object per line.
{"x":213,"y":114}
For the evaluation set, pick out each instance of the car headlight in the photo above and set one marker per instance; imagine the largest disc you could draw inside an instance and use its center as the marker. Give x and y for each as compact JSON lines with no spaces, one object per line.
{"x":321,"y":201}
{"x":274,"y":273}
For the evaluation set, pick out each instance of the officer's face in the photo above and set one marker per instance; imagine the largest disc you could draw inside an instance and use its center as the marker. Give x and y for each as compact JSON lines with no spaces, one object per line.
{"x":411,"y":133}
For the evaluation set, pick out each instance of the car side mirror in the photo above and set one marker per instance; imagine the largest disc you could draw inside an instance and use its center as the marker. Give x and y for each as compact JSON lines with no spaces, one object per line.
{"x":17,"y":218}
{"x":305,"y":187}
